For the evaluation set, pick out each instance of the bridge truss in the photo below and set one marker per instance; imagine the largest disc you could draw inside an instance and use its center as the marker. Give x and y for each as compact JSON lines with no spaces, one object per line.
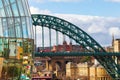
{"x":82,"y":38}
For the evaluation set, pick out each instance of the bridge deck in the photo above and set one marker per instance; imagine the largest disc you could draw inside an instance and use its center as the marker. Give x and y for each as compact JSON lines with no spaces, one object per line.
{"x":50,"y":54}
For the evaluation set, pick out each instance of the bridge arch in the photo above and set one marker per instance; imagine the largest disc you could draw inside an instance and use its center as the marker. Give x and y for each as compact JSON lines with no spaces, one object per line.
{"x":80,"y":37}
{"x":68,"y":29}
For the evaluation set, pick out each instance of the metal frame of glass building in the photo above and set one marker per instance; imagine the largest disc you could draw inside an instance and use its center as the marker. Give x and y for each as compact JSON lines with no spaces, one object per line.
{"x":16,"y":38}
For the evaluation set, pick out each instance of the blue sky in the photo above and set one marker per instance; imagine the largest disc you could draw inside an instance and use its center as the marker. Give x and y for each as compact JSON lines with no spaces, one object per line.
{"x":99,"y":18}
{"x":83,"y":7}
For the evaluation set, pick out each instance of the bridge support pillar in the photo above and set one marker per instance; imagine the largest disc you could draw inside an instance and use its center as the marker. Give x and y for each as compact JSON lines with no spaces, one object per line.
{"x":48,"y":65}
{"x":57,"y":65}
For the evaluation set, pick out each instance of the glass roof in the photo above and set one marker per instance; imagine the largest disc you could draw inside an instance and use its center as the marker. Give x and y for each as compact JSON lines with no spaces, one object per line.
{"x":15,"y":8}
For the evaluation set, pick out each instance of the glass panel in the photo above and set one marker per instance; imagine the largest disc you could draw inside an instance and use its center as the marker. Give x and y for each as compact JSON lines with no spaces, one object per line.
{"x":28,"y":27}
{"x":15,"y":10}
{"x":31,"y":26}
{"x":1,"y":5}
{"x":1,"y":47}
{"x":12,"y":48}
{"x":12,"y":1}
{"x":5,"y":48}
{"x":8,"y":11}
{"x":11,"y":28}
{"x":25,"y":46}
{"x":1,"y":29}
{"x":30,"y":47}
{"x":25,"y":8}
{"x":5,"y":28}
{"x":19,"y":49}
{"x":18,"y":27}
{"x":2,"y":12}
{"x":24,"y":27}
{"x":21,"y":8}
{"x":6,"y":2}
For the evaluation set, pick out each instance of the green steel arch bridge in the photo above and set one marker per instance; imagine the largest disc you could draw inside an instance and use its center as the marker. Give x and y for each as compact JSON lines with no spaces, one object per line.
{"x":79,"y":36}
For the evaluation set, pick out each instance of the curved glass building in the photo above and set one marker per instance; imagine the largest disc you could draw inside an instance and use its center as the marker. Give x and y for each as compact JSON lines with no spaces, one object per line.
{"x":16,"y":39}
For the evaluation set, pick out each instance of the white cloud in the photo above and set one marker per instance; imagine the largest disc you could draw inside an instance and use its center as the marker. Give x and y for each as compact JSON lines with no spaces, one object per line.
{"x":114,"y":31}
{"x":113,"y":0}
{"x":94,"y":28}
{"x":91,"y":24}
{"x":35,"y":10}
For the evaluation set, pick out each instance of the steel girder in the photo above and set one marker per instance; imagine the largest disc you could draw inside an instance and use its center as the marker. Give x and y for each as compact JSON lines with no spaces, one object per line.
{"x":80,"y":37}
{"x":50,"y":54}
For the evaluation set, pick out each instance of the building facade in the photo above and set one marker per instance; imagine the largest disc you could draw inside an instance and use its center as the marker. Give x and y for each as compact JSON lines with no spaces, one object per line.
{"x":83,"y":71}
{"x":116,"y":45}
{"x":16,"y":37}
{"x":67,"y":48}
{"x":116,"y":48}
